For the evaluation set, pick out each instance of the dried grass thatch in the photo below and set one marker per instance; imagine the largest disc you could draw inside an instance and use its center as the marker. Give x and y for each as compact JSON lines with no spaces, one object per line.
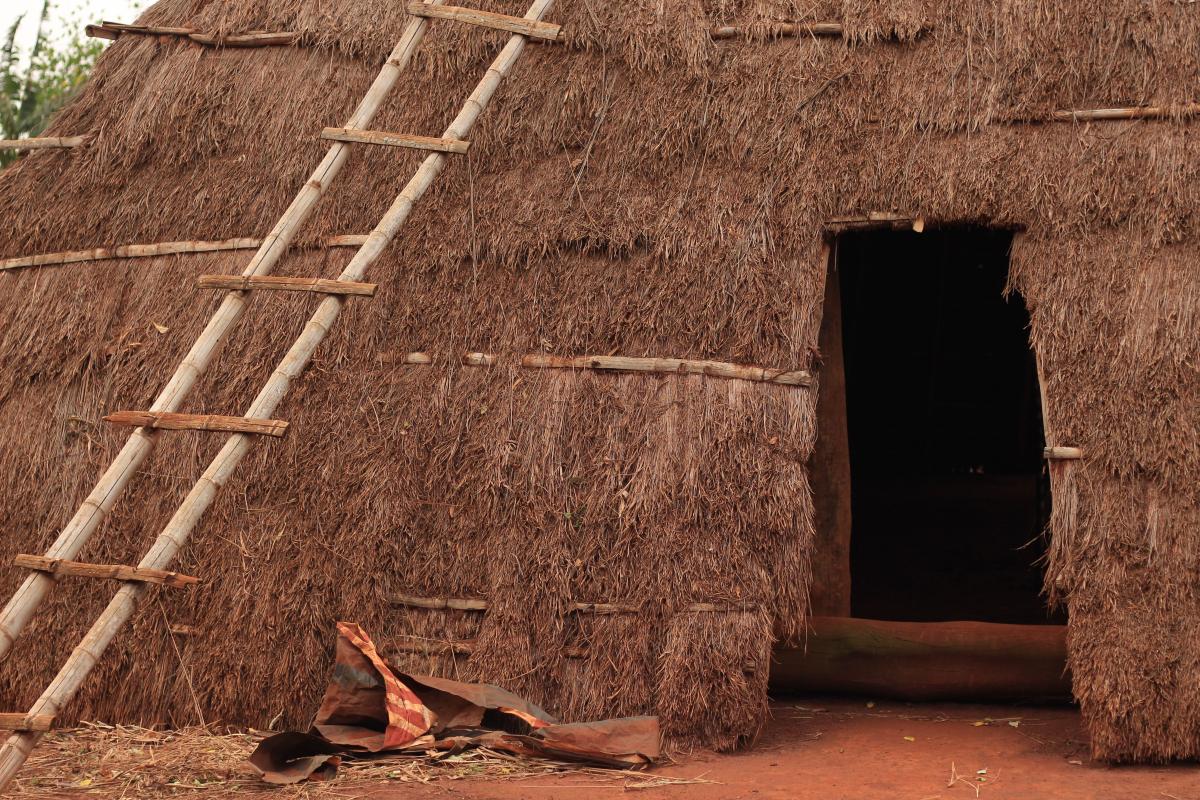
{"x":642,"y":190}
{"x":121,"y":761}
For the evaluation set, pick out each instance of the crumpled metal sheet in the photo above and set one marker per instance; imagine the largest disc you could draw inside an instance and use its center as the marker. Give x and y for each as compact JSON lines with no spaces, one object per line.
{"x":368,"y":708}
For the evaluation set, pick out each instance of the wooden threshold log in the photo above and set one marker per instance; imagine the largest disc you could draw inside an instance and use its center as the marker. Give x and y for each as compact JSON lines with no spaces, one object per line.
{"x":117,"y":572}
{"x":43,"y":143}
{"x":779,"y":29}
{"x":157,"y":249}
{"x":114,"y":30}
{"x":681,"y":366}
{"x":162,"y":420}
{"x":39,"y":723}
{"x":487,"y":19}
{"x":315,"y":285}
{"x":1062,"y":453}
{"x":926,"y":660}
{"x":389,"y":139}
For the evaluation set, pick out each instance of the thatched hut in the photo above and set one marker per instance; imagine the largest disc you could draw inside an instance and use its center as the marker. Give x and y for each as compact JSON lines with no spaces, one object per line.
{"x":667,"y":182}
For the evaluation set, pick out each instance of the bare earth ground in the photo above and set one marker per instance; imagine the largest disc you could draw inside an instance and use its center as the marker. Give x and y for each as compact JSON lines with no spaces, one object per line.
{"x":815,"y":748}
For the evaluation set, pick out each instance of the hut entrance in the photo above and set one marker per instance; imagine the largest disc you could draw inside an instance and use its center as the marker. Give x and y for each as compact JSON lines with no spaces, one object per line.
{"x":948,"y":495}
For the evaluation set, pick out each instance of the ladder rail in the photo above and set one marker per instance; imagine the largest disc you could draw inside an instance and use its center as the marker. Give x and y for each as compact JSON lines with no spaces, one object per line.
{"x":95,"y":508}
{"x":175,"y":535}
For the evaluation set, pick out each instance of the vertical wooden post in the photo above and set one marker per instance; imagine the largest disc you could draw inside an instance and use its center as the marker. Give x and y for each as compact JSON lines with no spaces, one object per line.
{"x":829,"y":467}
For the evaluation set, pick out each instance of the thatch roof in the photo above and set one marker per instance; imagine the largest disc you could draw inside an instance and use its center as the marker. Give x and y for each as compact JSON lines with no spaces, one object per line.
{"x":644,"y":190}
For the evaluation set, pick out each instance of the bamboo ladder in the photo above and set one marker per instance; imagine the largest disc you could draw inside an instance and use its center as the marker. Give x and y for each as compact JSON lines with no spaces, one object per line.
{"x":29,"y":727}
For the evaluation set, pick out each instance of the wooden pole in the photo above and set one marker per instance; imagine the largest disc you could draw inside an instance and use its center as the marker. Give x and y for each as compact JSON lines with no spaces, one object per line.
{"x":164,"y":421}
{"x":85,"y":656}
{"x":678,"y":366}
{"x":469,"y":604}
{"x":116,"y":572}
{"x":781,"y":29}
{"x":42,"y":143}
{"x":244,"y":283}
{"x":95,"y":508}
{"x":152,"y":250}
{"x":24,"y":722}
{"x":488,"y":19}
{"x":389,"y":139}
{"x":114,"y":30}
{"x":1134,"y":112}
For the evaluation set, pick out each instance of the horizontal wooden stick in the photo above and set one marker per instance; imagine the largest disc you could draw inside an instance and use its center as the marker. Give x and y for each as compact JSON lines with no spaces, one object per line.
{"x":682,"y":366}
{"x":404,"y":358}
{"x":316,"y":285}
{"x":669,"y":366}
{"x":429,"y":647}
{"x":460,"y":648}
{"x":158,"y":249}
{"x":198,"y":422}
{"x":113,"y":30}
{"x":182,"y":630}
{"x":1132,"y":112}
{"x":781,"y":29}
{"x":396,"y":139}
{"x":479,"y":359}
{"x":26,"y":722}
{"x":42,"y":142}
{"x":460,"y":604}
{"x":878,"y":219}
{"x":487,"y":19}
{"x":1062,"y":453}
{"x":118,"y":572}
{"x":437,"y":603}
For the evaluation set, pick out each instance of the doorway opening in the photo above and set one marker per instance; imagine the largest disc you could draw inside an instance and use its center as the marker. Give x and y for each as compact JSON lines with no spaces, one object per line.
{"x":948,"y":496}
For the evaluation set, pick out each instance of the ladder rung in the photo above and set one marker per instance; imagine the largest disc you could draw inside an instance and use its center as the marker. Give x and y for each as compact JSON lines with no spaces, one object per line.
{"x":118,"y":572}
{"x":396,"y":139}
{"x":197,"y":422}
{"x":319,"y":285}
{"x":488,"y":19}
{"x":16,"y":721}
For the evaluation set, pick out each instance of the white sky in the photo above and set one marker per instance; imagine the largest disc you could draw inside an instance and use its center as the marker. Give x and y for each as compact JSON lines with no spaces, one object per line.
{"x":72,"y":11}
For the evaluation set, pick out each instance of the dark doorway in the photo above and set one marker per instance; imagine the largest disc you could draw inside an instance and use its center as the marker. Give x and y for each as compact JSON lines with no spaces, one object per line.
{"x":949,"y":499}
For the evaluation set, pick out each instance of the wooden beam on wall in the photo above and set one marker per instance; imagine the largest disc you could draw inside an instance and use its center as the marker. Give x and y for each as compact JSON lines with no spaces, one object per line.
{"x":779,"y":29}
{"x":244,"y":283}
{"x":114,"y":30}
{"x":388,"y":139}
{"x":43,"y":143}
{"x":487,"y":19}
{"x":117,"y":572}
{"x":153,"y":250}
{"x":161,"y":420}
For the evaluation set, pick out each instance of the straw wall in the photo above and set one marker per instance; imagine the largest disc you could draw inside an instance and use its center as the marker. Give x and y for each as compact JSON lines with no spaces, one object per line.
{"x":640,"y":190}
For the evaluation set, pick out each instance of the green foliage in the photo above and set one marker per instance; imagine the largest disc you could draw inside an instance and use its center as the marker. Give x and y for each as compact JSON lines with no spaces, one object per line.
{"x":35,"y":86}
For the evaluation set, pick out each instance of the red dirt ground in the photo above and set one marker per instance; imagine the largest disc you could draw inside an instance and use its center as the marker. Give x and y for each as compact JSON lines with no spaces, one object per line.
{"x":830,"y":749}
